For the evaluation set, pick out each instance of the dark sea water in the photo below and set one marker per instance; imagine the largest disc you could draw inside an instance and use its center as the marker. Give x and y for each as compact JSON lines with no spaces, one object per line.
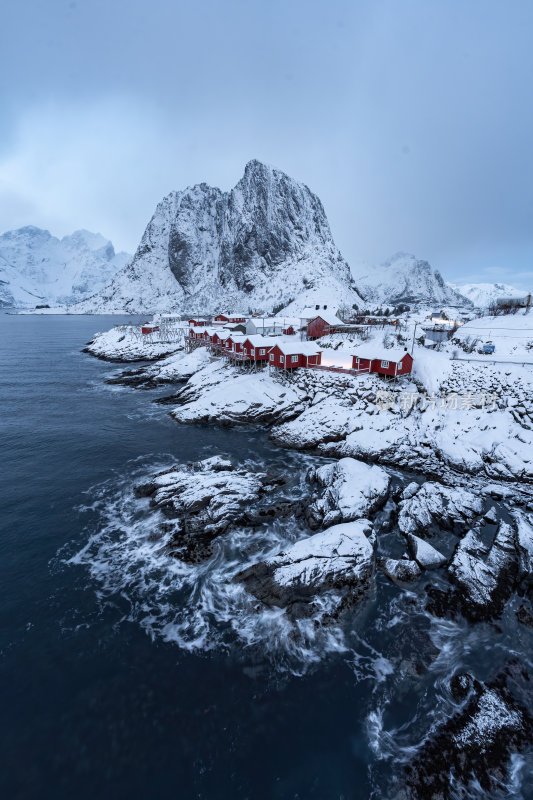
{"x":91,"y":704}
{"x":125,"y":675}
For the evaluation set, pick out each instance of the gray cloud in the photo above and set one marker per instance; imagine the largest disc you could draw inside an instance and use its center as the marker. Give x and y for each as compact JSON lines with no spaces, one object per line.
{"x":411,"y":120}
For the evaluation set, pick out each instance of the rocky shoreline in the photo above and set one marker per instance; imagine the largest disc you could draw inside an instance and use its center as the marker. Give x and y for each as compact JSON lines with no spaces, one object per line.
{"x":460,"y":536}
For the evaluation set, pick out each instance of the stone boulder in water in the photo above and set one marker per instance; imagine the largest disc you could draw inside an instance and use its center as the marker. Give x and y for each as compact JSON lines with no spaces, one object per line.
{"x":339,"y":558}
{"x":353,"y":490}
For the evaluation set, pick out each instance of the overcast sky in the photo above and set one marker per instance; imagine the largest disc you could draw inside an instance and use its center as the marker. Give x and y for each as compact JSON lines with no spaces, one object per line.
{"x":411,"y":119}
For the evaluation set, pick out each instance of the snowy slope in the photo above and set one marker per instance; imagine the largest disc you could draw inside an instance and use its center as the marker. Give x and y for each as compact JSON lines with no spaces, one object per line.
{"x":260,"y":245}
{"x":483,"y":294}
{"x":406,"y":279}
{"x":37,"y":268}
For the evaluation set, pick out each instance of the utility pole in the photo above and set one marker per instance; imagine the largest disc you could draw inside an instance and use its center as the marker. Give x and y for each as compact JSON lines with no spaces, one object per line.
{"x":414,"y":334}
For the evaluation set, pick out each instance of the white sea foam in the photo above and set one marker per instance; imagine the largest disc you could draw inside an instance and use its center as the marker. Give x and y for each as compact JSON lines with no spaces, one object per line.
{"x":198,"y":606}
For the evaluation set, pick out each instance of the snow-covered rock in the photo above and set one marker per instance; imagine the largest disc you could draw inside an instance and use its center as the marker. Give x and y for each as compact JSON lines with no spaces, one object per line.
{"x":433,"y":504}
{"x":406,"y":279}
{"x":339,"y":558}
{"x":37,"y":268}
{"x":175,"y":368}
{"x":219,"y":394}
{"x":427,"y":556}
{"x":484,"y":575}
{"x":352,"y":490}
{"x":128,"y":343}
{"x":205,"y":499}
{"x":259,"y":245}
{"x":473,"y":748}
{"x":400,"y":569}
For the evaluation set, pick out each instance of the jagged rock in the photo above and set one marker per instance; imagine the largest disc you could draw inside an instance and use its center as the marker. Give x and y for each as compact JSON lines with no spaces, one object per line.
{"x":205,"y":499}
{"x":340,"y":558}
{"x":484,"y":576}
{"x":427,"y":556}
{"x":473,"y":747}
{"x":353,"y":490}
{"x":433,"y":504}
{"x":263,"y":243}
{"x":399,"y":569}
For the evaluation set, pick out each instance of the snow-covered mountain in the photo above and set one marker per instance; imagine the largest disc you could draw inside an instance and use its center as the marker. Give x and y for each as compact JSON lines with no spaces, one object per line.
{"x":37,"y":268}
{"x":406,"y":279}
{"x":483,"y":294}
{"x":261,"y":245}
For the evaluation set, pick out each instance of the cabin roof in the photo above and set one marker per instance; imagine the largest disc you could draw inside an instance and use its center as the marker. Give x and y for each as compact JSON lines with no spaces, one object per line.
{"x":295,"y":348}
{"x":371,"y":351}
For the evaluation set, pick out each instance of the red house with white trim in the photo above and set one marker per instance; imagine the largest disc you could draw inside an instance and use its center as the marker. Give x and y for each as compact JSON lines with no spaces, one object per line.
{"x":290,"y":355}
{"x":149,"y":327}
{"x":323,"y":324}
{"x":230,"y":318}
{"x":198,"y":321}
{"x":257,"y":347}
{"x":390,"y":362}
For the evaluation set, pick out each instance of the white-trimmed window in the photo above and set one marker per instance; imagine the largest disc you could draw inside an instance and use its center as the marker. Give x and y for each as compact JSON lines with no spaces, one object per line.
{"x":384,"y":364}
{"x":262,"y":351}
{"x":294,"y":359}
{"x":252,"y":352}
{"x":272,"y":356}
{"x":357,"y":360}
{"x":282,"y":359}
{"x":400,"y":365}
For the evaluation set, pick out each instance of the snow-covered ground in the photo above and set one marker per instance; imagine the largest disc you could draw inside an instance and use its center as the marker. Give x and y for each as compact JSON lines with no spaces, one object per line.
{"x":128,"y":343}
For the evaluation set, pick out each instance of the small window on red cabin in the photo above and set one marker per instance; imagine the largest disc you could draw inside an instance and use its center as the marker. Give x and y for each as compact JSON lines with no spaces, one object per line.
{"x":262,"y":351}
{"x":384,"y":364}
{"x":294,"y":359}
{"x":282,"y":359}
{"x":272,"y":356}
{"x":400,"y":365}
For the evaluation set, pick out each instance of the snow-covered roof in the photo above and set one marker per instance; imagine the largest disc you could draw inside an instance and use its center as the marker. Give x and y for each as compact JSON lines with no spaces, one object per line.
{"x":328,"y":317}
{"x":267,"y":322}
{"x":312,"y":312}
{"x":370,"y":351}
{"x":262,"y":341}
{"x":198,"y":319}
{"x":292,"y":348}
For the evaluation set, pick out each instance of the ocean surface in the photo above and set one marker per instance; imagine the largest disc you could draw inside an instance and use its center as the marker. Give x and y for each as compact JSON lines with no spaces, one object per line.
{"x":126,"y":675}
{"x":91,"y":703}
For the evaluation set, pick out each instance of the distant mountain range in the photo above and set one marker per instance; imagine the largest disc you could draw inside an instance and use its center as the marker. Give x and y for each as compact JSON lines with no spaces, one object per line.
{"x":264,"y":245}
{"x":37,"y":268}
{"x":406,"y":279}
{"x":483,"y":295}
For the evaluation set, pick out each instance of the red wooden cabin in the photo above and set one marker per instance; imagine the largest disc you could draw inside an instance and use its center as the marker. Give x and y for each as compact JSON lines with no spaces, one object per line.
{"x":322,"y":325}
{"x":230,"y":318}
{"x":291,"y":355}
{"x":257,"y":347}
{"x":390,"y":362}
{"x":149,"y":328}
{"x":198,"y":321}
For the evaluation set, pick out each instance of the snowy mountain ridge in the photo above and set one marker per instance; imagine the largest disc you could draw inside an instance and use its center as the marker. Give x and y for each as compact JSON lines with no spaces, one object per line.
{"x":37,"y":268}
{"x":406,"y":279}
{"x":262,"y":244}
{"x":483,"y":294}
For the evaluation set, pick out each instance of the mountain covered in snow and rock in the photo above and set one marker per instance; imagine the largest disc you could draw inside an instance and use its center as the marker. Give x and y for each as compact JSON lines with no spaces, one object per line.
{"x":260,"y":245}
{"x":37,"y":268}
{"x":406,"y":279}
{"x":482,"y":295}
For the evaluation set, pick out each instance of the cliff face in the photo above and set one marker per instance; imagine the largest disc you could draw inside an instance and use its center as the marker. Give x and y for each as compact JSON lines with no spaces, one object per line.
{"x":263,"y":243}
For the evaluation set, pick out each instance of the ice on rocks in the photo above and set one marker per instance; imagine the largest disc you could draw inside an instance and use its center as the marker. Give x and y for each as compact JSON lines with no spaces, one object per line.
{"x":339,"y":558}
{"x":435,"y":504}
{"x":400,"y":569}
{"x":353,"y":490}
{"x":427,"y":556}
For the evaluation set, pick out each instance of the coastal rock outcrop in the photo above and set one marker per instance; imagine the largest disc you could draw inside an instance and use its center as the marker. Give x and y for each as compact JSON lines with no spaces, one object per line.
{"x":353,"y":490}
{"x":340,"y":558}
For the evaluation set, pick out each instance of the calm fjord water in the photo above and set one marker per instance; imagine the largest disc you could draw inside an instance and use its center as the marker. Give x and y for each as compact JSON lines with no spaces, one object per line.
{"x":91,"y":705}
